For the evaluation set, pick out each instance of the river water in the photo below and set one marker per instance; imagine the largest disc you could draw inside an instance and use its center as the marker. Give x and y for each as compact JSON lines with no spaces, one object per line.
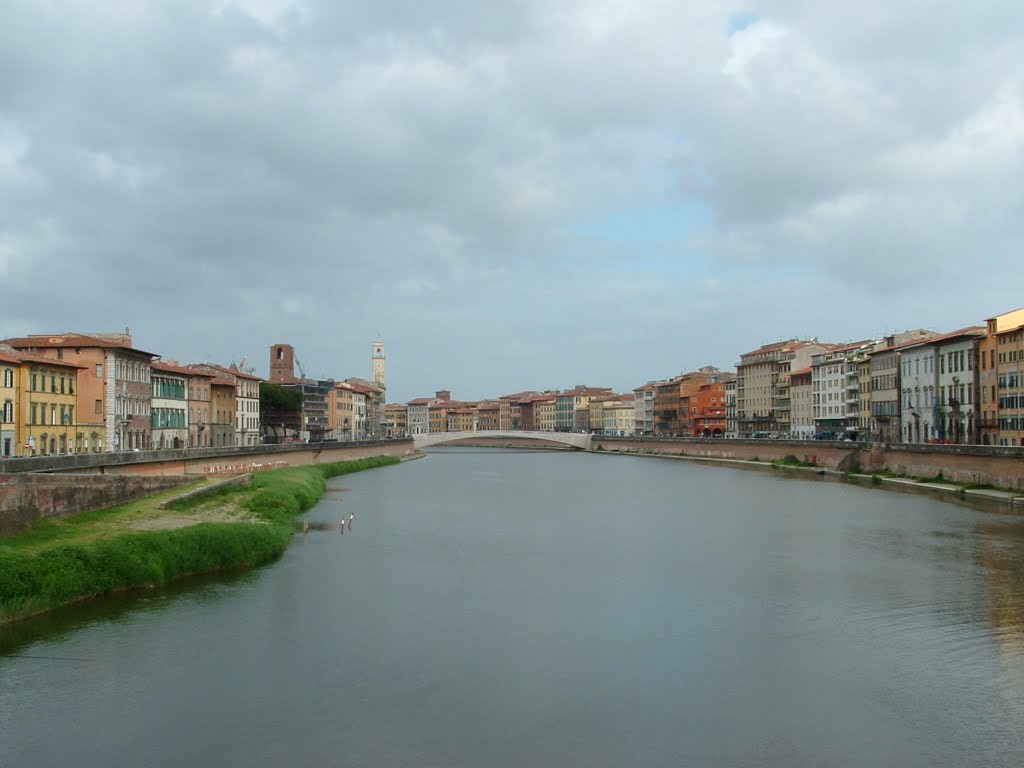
{"x":514,"y":608}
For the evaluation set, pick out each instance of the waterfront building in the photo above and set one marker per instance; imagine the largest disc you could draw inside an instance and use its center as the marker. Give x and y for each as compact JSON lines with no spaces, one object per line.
{"x":248,"y":429}
{"x":369,"y":407}
{"x":865,"y":428}
{"x":40,"y":413}
{"x":114,"y":385}
{"x":351,"y":421}
{"x":568,"y":402}
{"x":1008,"y":330}
{"x":419,"y":415}
{"x":759,"y":402}
{"x":10,"y":365}
{"x":509,"y":410}
{"x":938,"y":385}
{"x":462,"y":417}
{"x":544,"y":413}
{"x":885,"y":384}
{"x":339,"y":413}
{"x":396,"y":420}
{"x":730,"y":409}
{"x":488,"y":413}
{"x":169,"y":408}
{"x":643,"y":408}
{"x":835,"y":384}
{"x":373,"y":397}
{"x":666,"y":408}
{"x":198,"y":394}
{"x":988,"y":382}
{"x":527,"y":415}
{"x":618,"y":415}
{"x":223,"y":410}
{"x":782,"y":399}
{"x":673,"y":411}
{"x":707,"y":406}
{"x":801,"y":426}
{"x":438,"y":411}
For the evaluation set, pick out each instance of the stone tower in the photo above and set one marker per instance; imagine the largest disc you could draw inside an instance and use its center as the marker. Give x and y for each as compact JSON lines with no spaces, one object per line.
{"x":379,"y":364}
{"x":282,"y":362}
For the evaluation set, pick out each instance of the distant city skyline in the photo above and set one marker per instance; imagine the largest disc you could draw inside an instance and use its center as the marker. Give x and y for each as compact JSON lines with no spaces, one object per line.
{"x":523,"y":196}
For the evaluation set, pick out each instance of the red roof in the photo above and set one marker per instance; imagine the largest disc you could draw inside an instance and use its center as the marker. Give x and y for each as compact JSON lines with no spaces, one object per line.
{"x":66,"y":340}
{"x":28,"y":357}
{"x":971,"y":330}
{"x":160,"y":365}
{"x":232,"y":371}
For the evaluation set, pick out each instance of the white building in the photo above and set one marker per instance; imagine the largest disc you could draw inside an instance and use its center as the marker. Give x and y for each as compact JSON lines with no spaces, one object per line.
{"x":619,"y":416}
{"x":939,"y":388}
{"x":835,"y":386}
{"x":643,"y":408}
{"x":730,"y":409}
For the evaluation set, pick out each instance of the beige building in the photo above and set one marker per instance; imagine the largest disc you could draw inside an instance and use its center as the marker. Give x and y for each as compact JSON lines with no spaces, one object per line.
{"x":802,"y":403}
{"x":762,"y":405}
{"x":544,"y":413}
{"x":247,"y":399}
{"x":1008,"y":330}
{"x":618,"y":415}
{"x":396,"y":420}
{"x":864,"y":420}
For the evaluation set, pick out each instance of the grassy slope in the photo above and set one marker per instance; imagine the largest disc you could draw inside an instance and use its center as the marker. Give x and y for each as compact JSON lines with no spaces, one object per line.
{"x":96,"y":552}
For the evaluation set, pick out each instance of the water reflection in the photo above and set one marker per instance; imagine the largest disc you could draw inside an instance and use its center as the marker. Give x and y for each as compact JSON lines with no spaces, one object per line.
{"x":507,"y":609}
{"x":64,"y":622}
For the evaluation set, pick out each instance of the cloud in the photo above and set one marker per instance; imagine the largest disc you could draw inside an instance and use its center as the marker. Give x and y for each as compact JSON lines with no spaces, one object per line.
{"x":514,"y":193}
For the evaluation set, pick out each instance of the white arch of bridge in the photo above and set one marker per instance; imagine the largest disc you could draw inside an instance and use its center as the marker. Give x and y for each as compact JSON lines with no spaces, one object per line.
{"x":572,"y":439}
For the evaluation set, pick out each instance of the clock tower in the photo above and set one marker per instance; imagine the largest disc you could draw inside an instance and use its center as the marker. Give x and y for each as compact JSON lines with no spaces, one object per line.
{"x":379,"y":364}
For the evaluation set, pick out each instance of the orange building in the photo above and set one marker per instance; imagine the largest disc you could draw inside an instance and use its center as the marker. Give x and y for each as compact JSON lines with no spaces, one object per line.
{"x":707,"y":404}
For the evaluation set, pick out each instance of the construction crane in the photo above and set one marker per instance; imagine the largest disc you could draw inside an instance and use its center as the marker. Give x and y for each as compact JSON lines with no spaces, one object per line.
{"x":302,"y":371}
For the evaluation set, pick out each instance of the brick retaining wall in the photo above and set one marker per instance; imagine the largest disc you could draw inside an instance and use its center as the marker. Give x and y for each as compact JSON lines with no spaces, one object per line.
{"x":27,"y":498}
{"x":982,"y":464}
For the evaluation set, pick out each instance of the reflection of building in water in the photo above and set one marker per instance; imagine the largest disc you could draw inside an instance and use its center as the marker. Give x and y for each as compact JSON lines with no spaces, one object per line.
{"x":1001,"y":551}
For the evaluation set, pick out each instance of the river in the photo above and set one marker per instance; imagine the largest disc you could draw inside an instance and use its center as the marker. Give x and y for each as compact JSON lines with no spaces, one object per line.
{"x":514,"y":608}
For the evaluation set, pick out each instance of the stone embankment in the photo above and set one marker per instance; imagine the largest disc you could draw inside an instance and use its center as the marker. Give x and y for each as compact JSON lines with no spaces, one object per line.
{"x":58,"y":487}
{"x":1000,"y":469}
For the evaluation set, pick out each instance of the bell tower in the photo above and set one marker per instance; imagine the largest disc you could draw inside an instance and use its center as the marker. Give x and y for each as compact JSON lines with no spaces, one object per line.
{"x":379,"y":364}
{"x":282,"y":362}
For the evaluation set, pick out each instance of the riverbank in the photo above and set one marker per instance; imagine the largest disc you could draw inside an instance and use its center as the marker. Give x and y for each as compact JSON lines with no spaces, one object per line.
{"x":938,"y":486}
{"x":143,"y":545}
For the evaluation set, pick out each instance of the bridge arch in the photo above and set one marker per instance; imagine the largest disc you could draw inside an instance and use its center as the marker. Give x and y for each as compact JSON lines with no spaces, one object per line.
{"x":572,"y":439}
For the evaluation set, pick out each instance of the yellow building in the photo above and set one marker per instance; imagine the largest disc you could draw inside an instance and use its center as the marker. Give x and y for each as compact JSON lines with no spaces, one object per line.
{"x":1008,"y":330}
{"x":45,"y":419}
{"x":9,"y":366}
{"x":544,"y":414}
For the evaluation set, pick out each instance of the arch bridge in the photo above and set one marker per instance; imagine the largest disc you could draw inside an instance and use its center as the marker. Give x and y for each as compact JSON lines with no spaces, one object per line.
{"x":577,"y":440}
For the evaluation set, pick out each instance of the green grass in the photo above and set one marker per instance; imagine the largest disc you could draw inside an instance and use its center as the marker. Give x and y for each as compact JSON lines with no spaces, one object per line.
{"x":91,"y":554}
{"x":789,"y":460}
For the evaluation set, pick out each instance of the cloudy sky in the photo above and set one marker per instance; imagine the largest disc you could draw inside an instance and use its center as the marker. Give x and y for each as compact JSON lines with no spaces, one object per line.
{"x":515,"y":195}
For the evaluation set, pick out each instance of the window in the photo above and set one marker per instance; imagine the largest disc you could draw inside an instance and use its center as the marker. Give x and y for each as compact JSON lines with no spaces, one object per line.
{"x":98,"y":407}
{"x":8,"y":377}
{"x":99,"y":373}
